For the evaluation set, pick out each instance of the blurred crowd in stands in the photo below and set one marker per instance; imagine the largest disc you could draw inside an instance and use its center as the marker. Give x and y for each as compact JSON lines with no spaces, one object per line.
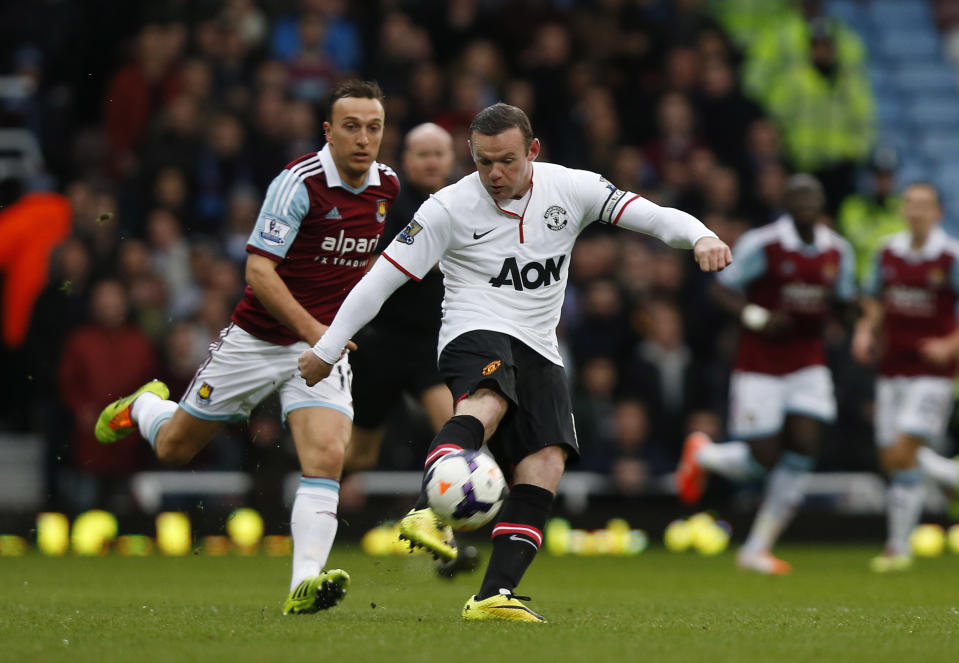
{"x":163,"y":123}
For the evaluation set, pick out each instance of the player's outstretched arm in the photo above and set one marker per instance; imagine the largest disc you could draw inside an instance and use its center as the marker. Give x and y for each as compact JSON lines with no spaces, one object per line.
{"x":359,"y":307}
{"x":673,"y":226}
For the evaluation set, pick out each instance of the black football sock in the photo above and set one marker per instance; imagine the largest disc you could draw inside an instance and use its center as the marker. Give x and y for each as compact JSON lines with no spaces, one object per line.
{"x":517,"y":537}
{"x":464,"y":431}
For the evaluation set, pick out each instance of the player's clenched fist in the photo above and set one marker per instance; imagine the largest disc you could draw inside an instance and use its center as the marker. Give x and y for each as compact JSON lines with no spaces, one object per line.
{"x":712,"y":255}
{"x":312,"y":368}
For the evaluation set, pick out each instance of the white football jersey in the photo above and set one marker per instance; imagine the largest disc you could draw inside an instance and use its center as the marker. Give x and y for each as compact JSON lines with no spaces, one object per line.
{"x":505,"y":264}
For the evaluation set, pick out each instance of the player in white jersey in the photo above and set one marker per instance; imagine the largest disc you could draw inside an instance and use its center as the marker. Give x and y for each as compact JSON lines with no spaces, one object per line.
{"x":503,"y":238}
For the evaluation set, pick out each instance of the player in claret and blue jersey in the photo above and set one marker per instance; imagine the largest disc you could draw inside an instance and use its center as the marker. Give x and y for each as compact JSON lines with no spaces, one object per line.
{"x":784,"y":283}
{"x":320,"y":222}
{"x":909,"y":325}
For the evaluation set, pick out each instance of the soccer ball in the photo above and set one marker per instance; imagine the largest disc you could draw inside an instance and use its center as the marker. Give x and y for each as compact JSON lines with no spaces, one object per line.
{"x":466,"y":489}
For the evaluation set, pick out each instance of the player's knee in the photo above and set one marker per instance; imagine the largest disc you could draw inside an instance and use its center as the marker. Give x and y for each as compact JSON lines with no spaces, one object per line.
{"x":552,"y":463}
{"x":900,"y":456}
{"x":324,"y":458}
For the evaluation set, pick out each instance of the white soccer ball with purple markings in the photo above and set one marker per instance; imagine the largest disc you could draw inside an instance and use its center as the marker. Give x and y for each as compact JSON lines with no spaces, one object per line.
{"x":466,"y":489}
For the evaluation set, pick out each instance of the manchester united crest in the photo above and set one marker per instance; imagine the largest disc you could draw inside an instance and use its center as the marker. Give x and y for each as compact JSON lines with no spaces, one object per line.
{"x":491,"y":367}
{"x":381,"y":210}
{"x":556,"y":218}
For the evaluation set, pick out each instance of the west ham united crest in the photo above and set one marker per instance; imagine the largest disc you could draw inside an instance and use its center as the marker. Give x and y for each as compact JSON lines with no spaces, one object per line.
{"x":381,"y":210}
{"x":204,"y":393}
{"x":556,"y":218}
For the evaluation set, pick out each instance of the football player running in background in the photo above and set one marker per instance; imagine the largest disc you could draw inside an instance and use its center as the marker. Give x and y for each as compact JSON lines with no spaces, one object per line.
{"x":403,"y":335}
{"x":503,"y":237}
{"x":315,"y":235}
{"x":909,"y":324}
{"x":782,"y":287}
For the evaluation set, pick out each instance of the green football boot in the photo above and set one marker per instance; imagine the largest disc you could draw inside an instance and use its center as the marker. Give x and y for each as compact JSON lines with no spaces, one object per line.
{"x":116,"y":421}
{"x":424,"y":530}
{"x":317,"y":593}
{"x":892,"y":563}
{"x":506,"y":607}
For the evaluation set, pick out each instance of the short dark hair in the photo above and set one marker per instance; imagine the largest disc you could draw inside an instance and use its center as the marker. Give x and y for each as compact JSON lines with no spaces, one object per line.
{"x":356,"y":89}
{"x":498,"y":118}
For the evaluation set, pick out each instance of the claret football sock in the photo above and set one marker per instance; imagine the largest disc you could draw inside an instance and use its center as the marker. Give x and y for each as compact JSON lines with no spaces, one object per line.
{"x":464,"y":431}
{"x":903,"y":508}
{"x":517,"y":537}
{"x":784,"y":494}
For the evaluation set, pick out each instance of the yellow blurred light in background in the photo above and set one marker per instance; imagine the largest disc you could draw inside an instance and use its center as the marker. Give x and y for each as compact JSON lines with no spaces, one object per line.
{"x":245,"y":527}
{"x":173,"y":533}
{"x":93,"y":531}
{"x":53,"y":533}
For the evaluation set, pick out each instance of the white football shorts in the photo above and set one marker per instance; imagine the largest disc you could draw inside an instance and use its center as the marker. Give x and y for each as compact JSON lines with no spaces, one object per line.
{"x":759,"y":403}
{"x":241,"y":370}
{"x":915,"y":405}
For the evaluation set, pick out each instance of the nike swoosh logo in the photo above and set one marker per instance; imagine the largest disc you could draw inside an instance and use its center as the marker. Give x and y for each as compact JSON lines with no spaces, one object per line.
{"x":513,"y":537}
{"x":516,"y":607}
{"x":481,"y":235}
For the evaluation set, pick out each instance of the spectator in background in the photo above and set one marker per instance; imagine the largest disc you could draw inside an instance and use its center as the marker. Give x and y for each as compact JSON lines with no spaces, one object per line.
{"x":663,"y":375}
{"x":170,"y":258}
{"x":746,"y":20}
{"x":593,"y":396}
{"x":311,"y":71}
{"x":171,"y":192}
{"x":267,"y":144}
{"x":546,"y":64}
{"x":109,"y":340}
{"x":678,"y":134}
{"x":603,"y":324}
{"x":222,"y":166}
{"x":767,"y":202}
{"x":787,"y":42}
{"x":725,"y":113}
{"x":865,"y":218}
{"x":339,"y":39}
{"x":826,"y":113}
{"x":630,"y":468}
{"x":243,"y":205}
{"x":135,"y":88}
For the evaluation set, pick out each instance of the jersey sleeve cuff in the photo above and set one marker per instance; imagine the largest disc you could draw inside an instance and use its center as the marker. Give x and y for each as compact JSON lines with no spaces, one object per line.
{"x":325,"y":354}
{"x":400,"y":267}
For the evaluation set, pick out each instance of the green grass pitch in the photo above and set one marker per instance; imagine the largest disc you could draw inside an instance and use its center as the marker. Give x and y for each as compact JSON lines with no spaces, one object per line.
{"x":654,"y":607}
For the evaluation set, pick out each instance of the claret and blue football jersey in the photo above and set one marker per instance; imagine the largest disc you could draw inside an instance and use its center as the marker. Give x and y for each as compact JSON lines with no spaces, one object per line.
{"x":322,"y":234}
